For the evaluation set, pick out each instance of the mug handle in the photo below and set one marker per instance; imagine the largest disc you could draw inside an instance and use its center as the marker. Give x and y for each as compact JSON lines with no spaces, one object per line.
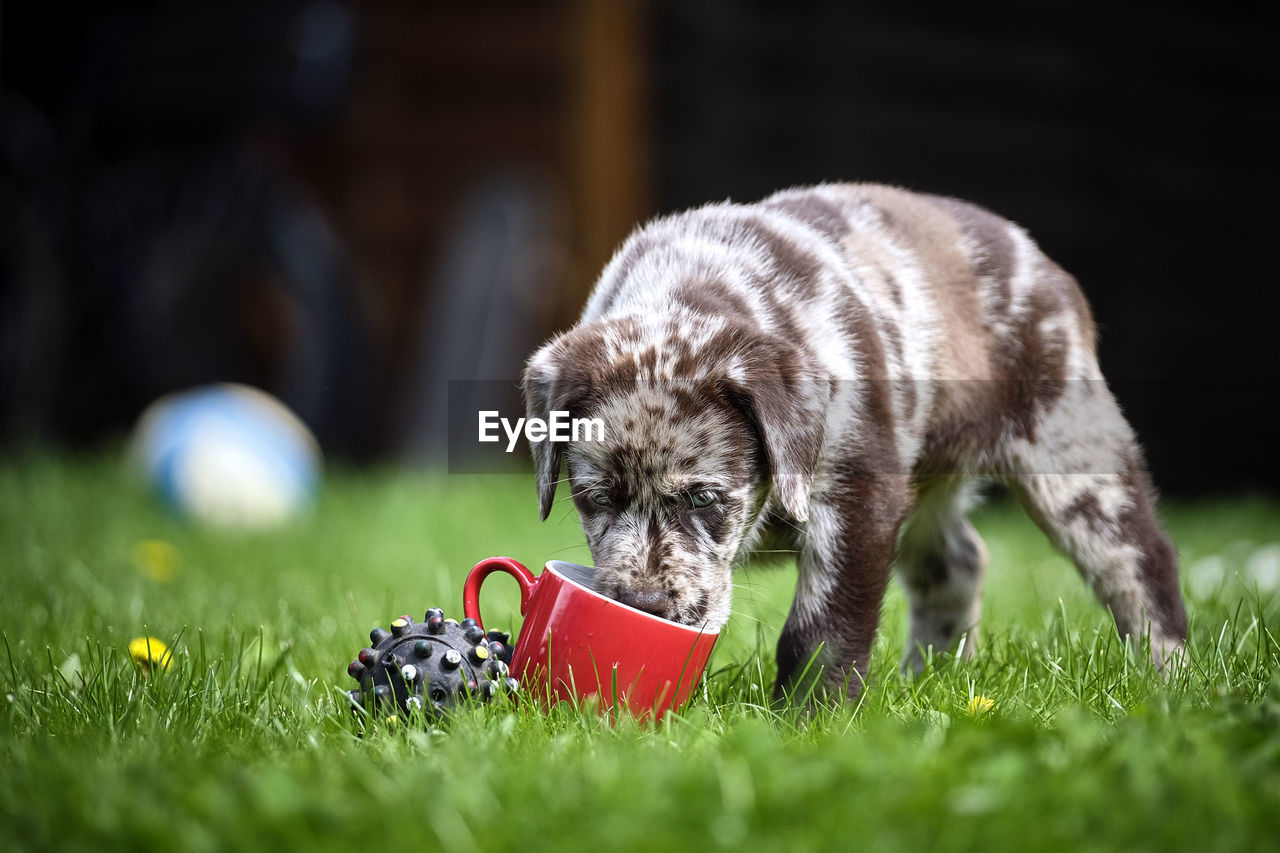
{"x":486,"y":567}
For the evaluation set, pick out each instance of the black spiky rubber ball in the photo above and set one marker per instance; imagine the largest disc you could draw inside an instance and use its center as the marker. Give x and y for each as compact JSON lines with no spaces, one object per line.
{"x":430,"y":667}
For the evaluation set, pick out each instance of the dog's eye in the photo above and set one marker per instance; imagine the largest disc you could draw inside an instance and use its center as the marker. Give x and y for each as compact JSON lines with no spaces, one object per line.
{"x":703,"y":498}
{"x":601,"y":499}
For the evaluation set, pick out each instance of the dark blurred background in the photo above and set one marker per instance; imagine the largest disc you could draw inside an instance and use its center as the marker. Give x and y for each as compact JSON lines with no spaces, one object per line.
{"x":350,"y":204}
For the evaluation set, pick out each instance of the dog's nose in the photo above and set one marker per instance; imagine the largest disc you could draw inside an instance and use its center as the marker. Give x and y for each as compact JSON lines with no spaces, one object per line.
{"x":649,"y":600}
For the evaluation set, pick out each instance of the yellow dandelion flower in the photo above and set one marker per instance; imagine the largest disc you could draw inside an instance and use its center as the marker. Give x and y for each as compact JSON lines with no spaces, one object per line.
{"x":980,"y":705}
{"x":156,"y":559}
{"x":148,"y":652}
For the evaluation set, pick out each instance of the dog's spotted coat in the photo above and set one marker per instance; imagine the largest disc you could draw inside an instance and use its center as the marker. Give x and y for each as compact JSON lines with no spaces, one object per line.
{"x":827,"y":371}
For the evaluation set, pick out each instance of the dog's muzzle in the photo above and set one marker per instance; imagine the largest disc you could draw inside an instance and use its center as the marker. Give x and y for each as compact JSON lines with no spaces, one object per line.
{"x":650,"y":600}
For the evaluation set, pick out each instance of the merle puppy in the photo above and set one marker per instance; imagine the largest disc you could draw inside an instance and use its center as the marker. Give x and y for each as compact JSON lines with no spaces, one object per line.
{"x":828,"y":371}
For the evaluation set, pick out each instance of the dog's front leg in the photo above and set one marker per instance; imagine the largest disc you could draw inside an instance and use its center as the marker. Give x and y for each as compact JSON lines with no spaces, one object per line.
{"x":844,"y":567}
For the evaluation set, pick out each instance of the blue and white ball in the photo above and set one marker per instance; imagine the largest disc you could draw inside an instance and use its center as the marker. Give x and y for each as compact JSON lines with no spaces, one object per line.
{"x":228,"y":455}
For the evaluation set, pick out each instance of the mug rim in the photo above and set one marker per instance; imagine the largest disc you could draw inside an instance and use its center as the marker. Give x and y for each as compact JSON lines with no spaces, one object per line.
{"x":552,"y":565}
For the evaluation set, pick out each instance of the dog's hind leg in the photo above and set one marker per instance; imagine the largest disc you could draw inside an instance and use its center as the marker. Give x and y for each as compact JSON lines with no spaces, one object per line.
{"x":1080,"y":476}
{"x":941,"y":561}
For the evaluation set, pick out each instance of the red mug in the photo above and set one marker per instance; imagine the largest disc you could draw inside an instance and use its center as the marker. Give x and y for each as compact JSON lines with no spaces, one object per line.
{"x":576,"y":644}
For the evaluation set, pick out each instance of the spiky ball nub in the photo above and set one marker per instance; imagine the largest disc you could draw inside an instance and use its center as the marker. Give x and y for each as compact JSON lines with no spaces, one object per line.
{"x":430,"y":666}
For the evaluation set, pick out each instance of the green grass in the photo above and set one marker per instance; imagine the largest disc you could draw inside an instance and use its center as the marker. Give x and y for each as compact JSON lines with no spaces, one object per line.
{"x":243,"y":742}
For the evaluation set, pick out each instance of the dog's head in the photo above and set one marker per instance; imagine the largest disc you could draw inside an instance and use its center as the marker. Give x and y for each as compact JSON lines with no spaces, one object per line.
{"x":701,"y":429}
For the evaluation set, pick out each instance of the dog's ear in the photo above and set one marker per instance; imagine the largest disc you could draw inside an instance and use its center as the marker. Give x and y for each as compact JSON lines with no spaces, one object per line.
{"x":542,"y":396}
{"x":786,"y":403}
{"x":561,"y":376}
{"x":557,"y":378}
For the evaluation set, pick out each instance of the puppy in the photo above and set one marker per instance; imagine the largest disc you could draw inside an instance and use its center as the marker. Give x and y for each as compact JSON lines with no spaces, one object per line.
{"x":828,"y":371}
